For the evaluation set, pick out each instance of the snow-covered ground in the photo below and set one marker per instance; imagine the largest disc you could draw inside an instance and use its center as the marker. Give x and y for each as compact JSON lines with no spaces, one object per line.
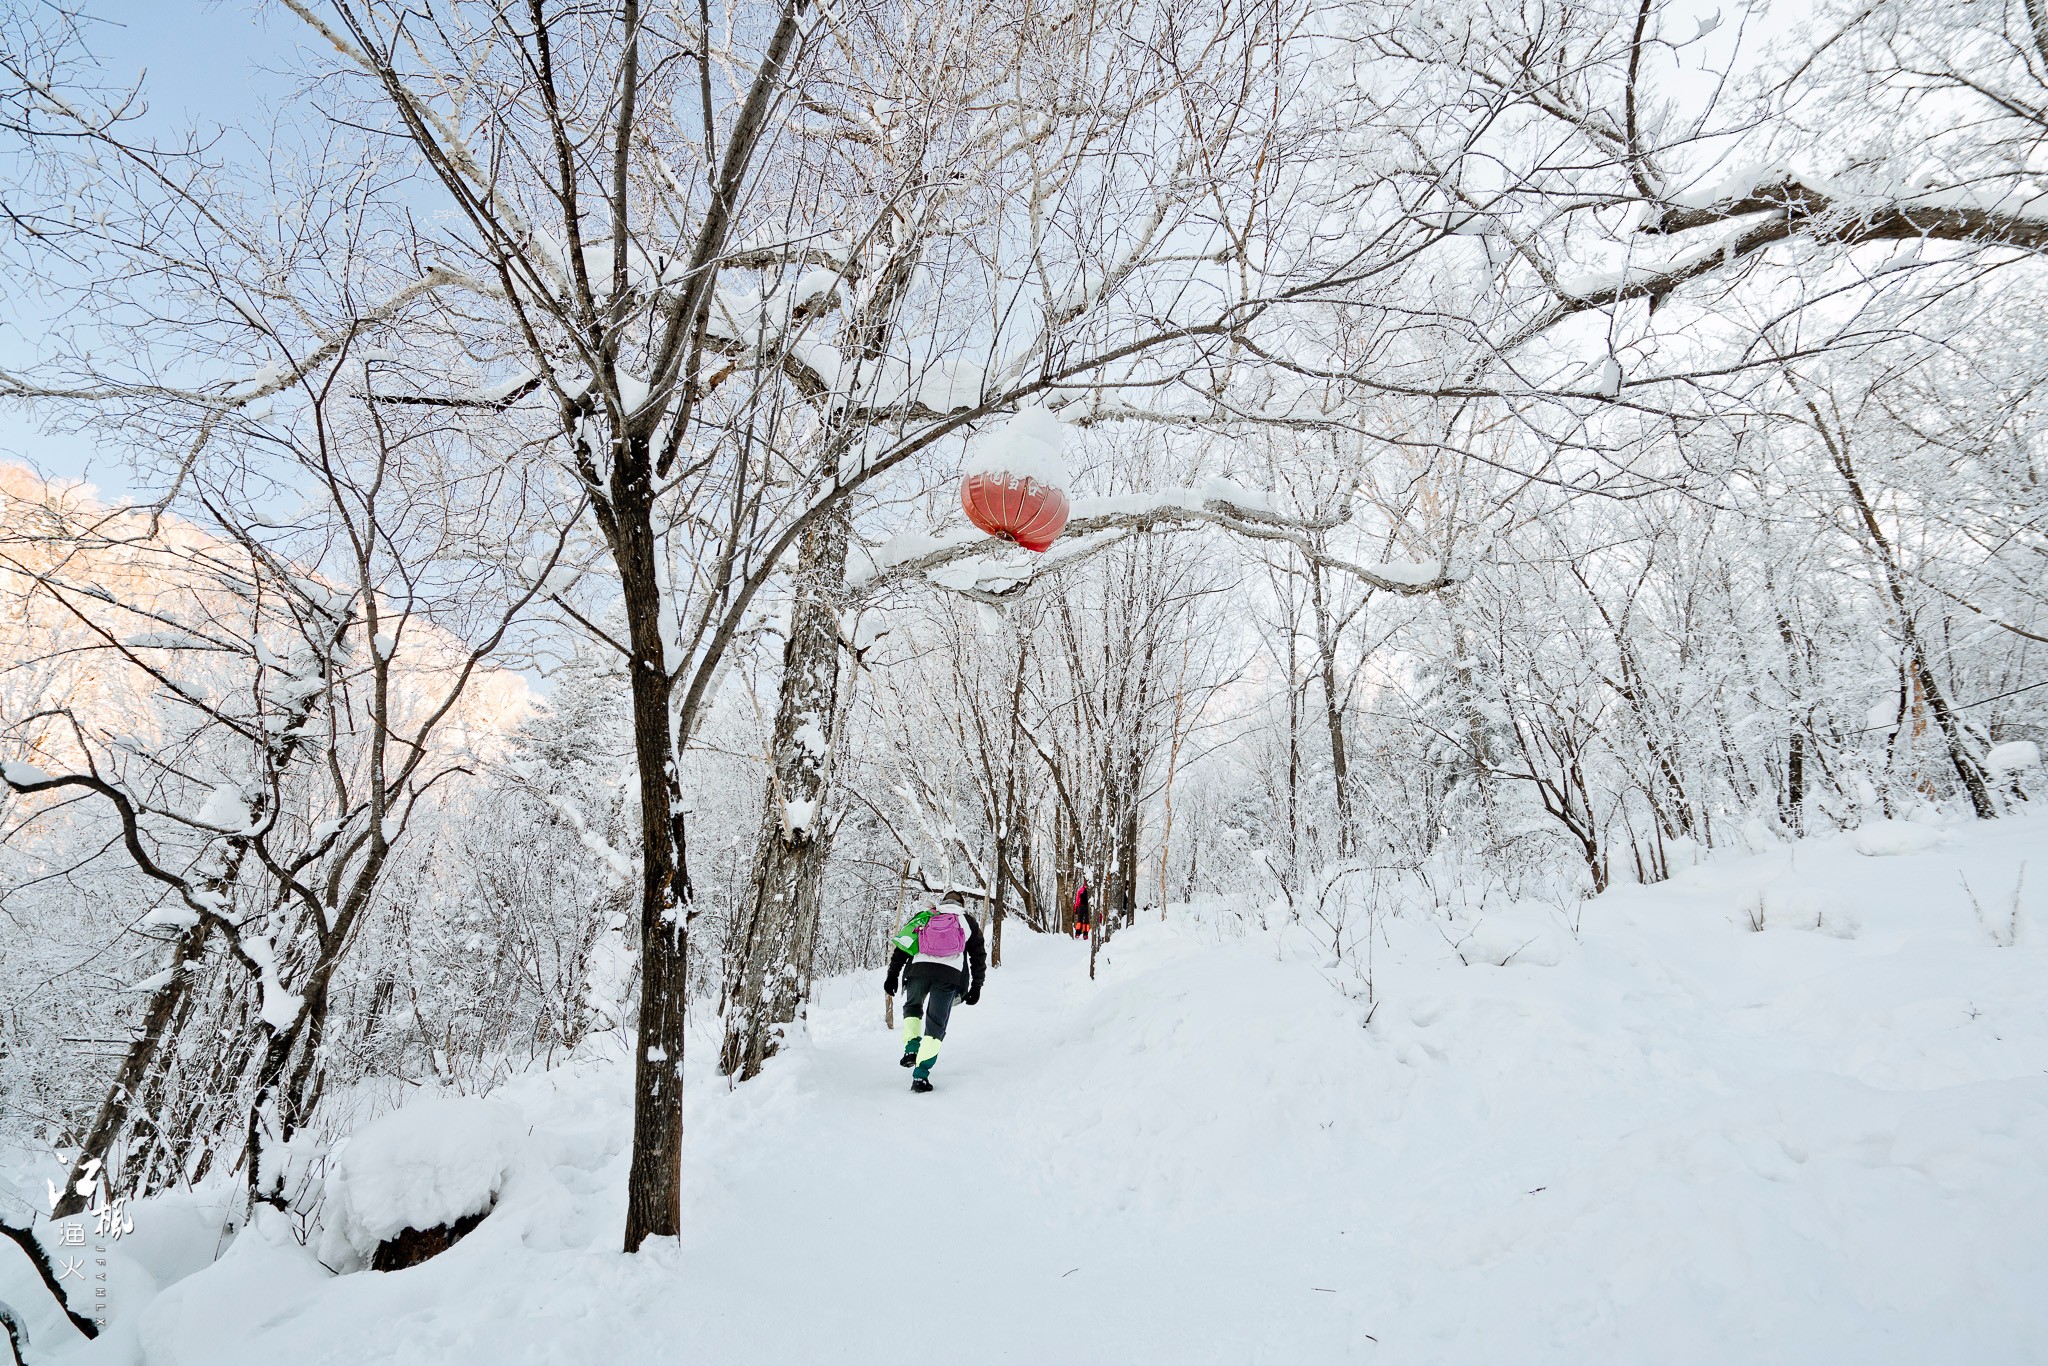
{"x":1670,"y":1138}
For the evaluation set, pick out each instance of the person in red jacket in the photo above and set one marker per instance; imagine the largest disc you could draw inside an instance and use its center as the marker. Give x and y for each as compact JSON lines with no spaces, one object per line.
{"x":1081,"y":910}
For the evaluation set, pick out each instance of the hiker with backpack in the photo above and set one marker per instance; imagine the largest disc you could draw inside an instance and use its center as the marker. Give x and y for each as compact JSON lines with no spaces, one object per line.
{"x":938,"y":958}
{"x":1081,"y":921}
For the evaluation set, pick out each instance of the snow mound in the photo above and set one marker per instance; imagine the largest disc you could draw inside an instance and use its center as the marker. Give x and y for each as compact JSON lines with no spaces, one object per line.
{"x":226,"y":809}
{"x":431,"y":1163}
{"x":1026,"y":447}
{"x":2013,"y":756}
{"x":1882,"y":838}
{"x":17,"y":772}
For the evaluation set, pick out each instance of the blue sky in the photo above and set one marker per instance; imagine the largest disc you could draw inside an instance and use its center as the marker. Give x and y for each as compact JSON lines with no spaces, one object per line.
{"x":204,"y":60}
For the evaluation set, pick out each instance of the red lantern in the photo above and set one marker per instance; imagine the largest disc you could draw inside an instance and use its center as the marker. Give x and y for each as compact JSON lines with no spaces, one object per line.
{"x":1015,"y":482}
{"x":1026,"y":511}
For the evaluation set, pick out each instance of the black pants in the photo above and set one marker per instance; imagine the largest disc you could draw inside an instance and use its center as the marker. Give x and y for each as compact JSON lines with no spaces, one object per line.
{"x":933,"y":1001}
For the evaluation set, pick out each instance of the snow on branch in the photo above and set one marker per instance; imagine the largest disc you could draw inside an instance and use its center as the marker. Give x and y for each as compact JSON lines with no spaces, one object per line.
{"x":964,"y":560}
{"x":1776,"y":205}
{"x":770,"y":252}
{"x":1833,"y":214}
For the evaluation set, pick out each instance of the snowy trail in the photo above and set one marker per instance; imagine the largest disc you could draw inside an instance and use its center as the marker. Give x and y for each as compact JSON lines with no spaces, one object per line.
{"x":1668,"y":1139}
{"x":1043,"y":1183}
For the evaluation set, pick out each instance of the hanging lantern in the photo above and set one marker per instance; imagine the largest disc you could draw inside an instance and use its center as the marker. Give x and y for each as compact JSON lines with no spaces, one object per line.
{"x":1014,"y":485}
{"x":1021,"y":510}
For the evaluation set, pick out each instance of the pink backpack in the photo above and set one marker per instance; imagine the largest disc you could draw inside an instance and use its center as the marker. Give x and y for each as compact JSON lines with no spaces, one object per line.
{"x":943,"y":936}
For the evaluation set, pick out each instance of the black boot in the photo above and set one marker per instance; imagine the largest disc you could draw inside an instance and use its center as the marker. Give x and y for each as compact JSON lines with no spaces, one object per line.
{"x":909,"y":1059}
{"x":919,"y":1085}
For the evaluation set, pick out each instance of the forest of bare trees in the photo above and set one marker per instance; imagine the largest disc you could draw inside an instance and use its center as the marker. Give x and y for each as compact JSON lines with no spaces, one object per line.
{"x":1521,"y":448}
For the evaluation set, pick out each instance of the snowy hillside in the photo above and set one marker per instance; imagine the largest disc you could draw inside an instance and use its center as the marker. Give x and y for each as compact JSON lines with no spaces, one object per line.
{"x":1463,"y":464}
{"x":1672,"y":1138}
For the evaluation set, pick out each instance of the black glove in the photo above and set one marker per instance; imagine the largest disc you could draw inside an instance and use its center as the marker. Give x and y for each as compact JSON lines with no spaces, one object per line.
{"x":890,"y":986}
{"x":973,"y":997}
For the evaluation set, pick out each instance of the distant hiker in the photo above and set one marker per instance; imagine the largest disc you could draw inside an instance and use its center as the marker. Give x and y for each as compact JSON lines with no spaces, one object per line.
{"x":938,"y":957}
{"x":1081,"y":910}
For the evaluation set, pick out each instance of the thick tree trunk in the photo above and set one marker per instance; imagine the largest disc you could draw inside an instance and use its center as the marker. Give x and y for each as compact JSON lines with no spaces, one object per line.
{"x":765,"y":988}
{"x":654,"y":1176}
{"x":764,"y":984}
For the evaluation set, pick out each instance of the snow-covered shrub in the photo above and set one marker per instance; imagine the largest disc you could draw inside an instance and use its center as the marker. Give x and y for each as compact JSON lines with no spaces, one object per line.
{"x":429,"y":1165}
{"x":2012,"y":757}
